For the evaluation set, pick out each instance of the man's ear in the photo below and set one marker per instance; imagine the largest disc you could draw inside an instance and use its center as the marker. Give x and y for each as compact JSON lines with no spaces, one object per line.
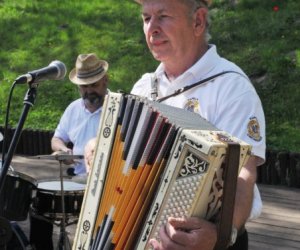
{"x":200,"y":21}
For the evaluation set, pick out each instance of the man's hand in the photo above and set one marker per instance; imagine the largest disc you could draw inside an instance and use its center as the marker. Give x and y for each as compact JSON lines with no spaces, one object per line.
{"x":60,"y":147}
{"x":186,"y":234}
{"x":63,"y":152}
{"x":89,"y":151}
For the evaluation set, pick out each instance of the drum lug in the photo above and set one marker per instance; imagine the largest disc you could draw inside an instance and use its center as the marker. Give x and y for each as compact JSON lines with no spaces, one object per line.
{"x":75,"y":204}
{"x":53,"y":204}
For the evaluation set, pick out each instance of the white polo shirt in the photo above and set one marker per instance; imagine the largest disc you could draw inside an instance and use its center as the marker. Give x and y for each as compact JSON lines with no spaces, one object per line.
{"x":229,"y":102}
{"x":78,"y":125}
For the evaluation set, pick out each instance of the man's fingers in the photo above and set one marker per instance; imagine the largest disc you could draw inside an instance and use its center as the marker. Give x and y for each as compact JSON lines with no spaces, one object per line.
{"x":155,"y":245}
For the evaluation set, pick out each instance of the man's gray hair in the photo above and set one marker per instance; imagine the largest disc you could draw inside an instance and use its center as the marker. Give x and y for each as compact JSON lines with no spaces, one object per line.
{"x":193,"y":5}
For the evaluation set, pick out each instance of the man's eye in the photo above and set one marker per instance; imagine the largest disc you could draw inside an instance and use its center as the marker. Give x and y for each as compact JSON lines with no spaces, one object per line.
{"x":146,"y":19}
{"x":163,"y":16}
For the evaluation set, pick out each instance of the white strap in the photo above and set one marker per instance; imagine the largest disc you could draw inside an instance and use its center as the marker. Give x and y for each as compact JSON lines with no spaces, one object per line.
{"x":154,"y":85}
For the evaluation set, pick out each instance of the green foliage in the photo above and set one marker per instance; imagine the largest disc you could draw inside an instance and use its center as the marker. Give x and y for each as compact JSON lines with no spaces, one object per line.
{"x":264,"y":42}
{"x":36,"y":32}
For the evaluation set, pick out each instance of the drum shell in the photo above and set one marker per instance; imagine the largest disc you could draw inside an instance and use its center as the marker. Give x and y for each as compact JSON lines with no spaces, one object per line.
{"x":16,"y":196}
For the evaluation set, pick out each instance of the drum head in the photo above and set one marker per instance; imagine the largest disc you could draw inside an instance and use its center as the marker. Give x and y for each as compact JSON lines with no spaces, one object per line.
{"x":56,"y":186}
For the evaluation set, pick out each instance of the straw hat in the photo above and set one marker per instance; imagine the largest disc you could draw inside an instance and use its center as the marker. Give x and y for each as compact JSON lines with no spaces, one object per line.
{"x":88,"y":69}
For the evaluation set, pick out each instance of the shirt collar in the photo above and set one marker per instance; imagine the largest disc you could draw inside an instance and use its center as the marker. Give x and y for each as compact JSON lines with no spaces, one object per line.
{"x":199,"y":70}
{"x":86,"y":110}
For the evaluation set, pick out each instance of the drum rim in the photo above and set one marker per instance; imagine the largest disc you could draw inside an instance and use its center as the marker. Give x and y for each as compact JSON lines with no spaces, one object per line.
{"x":22,"y":176}
{"x":13,"y":173}
{"x":58,"y":192}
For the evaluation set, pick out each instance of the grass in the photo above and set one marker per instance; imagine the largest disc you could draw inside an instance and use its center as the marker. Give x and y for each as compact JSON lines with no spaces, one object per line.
{"x":262,"y":41}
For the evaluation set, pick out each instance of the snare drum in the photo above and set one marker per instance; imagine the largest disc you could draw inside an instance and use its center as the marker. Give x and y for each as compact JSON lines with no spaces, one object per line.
{"x":48,"y":200}
{"x":16,"y":195}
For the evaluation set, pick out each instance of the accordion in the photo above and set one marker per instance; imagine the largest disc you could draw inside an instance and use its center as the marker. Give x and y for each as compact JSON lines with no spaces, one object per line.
{"x":152,"y":161}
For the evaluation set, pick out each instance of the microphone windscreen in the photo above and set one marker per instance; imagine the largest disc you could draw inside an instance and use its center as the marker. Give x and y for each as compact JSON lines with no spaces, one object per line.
{"x":61,"y":69}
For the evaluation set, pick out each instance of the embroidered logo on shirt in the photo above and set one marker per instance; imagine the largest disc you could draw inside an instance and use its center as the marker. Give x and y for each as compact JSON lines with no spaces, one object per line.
{"x":192,"y":105}
{"x":254,"y":129}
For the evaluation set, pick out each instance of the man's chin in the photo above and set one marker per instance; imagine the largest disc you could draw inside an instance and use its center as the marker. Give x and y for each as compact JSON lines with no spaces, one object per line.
{"x":159,"y":56}
{"x":93,"y":103}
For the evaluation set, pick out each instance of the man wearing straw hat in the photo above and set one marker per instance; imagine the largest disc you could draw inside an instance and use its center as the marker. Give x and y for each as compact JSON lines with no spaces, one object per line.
{"x":80,"y":120}
{"x":78,"y":124}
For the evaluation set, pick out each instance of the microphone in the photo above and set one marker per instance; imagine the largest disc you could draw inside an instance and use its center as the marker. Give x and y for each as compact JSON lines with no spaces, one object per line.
{"x":56,"y":70}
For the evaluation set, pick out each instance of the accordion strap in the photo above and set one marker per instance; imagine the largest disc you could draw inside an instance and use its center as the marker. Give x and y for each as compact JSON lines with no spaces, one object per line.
{"x":228,"y":197}
{"x":154,"y":83}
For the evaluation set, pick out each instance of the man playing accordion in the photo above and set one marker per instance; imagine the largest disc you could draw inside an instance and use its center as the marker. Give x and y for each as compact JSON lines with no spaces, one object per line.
{"x":177,"y":34}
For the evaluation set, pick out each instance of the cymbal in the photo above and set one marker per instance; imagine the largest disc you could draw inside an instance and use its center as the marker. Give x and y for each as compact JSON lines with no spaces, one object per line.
{"x":58,"y":157}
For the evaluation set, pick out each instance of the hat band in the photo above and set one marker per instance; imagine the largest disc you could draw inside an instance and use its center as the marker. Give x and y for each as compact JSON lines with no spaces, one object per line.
{"x":90,"y":74}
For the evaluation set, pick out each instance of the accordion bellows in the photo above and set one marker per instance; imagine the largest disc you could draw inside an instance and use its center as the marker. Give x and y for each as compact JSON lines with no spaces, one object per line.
{"x":152,"y":161}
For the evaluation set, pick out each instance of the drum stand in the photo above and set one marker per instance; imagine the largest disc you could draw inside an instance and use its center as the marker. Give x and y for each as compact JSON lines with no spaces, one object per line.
{"x":63,"y":242}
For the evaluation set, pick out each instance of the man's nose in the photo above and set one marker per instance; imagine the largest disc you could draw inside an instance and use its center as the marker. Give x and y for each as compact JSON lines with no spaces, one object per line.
{"x":153,"y":25}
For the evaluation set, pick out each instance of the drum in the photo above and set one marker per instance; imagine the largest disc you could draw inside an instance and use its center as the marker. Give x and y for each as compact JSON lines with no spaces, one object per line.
{"x":16,"y":196}
{"x":48,"y":200}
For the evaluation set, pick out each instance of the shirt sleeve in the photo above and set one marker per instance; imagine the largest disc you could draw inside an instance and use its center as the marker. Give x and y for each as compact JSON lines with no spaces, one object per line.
{"x":241,"y":114}
{"x":143,"y":86}
{"x":62,"y":128}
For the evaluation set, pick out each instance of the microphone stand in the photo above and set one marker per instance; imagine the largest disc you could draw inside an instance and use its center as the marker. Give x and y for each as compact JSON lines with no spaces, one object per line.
{"x":29,"y":100}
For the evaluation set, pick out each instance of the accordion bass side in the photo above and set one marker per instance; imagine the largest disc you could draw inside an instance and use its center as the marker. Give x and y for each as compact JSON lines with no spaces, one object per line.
{"x":151,"y":161}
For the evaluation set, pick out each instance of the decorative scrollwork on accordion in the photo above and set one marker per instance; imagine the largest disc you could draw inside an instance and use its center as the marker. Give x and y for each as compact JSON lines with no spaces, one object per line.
{"x":193,"y":165}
